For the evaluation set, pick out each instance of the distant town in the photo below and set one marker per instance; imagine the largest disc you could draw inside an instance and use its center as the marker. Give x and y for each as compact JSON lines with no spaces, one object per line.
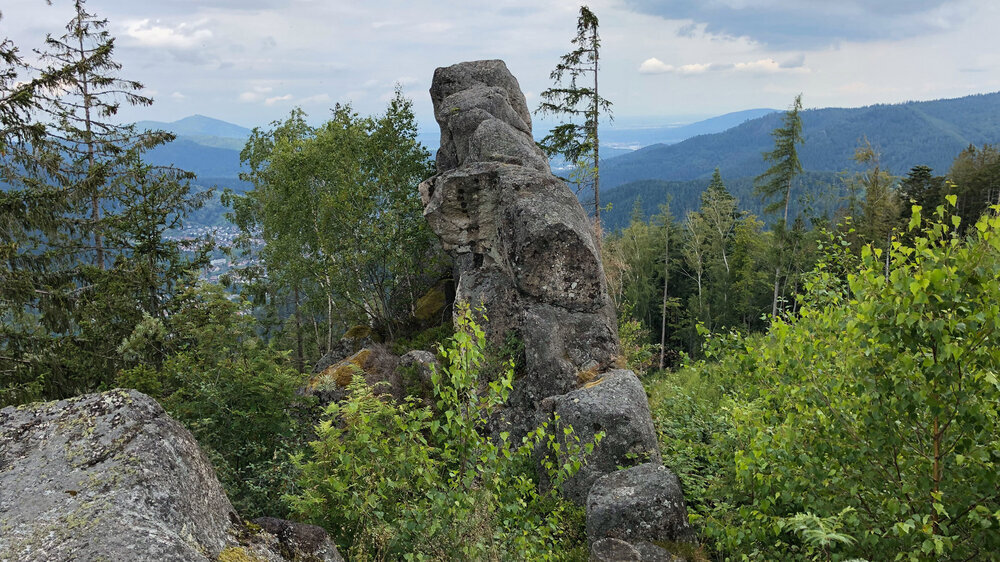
{"x":222,"y":238}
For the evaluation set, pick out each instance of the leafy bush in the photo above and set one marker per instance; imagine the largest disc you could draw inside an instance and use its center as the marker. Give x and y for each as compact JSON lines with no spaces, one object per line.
{"x":236,"y":395}
{"x":866,"y":426}
{"x":400,"y":481}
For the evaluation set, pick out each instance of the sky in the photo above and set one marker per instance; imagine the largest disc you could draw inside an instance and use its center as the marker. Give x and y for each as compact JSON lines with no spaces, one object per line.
{"x":250,"y":62}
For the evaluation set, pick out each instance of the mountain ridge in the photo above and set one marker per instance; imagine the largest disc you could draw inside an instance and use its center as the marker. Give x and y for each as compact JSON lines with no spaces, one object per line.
{"x":930,"y":133}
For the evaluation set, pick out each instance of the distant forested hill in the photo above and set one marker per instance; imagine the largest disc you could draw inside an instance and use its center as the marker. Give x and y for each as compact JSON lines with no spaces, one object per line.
{"x":199,"y":126}
{"x":930,"y":133}
{"x":821,"y":192}
{"x":206,"y":161}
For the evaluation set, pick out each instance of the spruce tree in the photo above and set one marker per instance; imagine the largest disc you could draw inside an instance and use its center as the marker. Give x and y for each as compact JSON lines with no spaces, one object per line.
{"x":777,"y":180}
{"x":578,"y":143}
{"x":97,"y":152}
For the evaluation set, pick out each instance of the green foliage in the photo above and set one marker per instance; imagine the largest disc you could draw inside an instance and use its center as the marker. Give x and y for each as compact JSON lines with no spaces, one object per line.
{"x":638,"y":352}
{"x":236,"y":395}
{"x":340,"y":217}
{"x":864,"y":426}
{"x":400,"y":481}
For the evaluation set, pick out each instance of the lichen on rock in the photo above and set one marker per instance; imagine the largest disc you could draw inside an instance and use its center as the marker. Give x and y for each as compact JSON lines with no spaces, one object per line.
{"x":111,"y":476}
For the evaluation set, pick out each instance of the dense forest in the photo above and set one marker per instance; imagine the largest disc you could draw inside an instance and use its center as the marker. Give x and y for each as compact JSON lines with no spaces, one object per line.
{"x":818,"y":339}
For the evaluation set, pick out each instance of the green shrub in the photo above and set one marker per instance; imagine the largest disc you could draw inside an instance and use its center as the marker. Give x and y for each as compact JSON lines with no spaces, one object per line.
{"x":236,"y":395}
{"x":398,"y":481}
{"x":866,"y":426}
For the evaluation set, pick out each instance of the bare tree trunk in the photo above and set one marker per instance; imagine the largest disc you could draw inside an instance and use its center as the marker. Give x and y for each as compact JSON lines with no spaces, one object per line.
{"x":666,"y":284}
{"x":888,"y":245}
{"x":299,"y":357}
{"x":95,"y":200}
{"x":597,"y":152}
{"x":774,"y":302}
{"x":329,"y":322}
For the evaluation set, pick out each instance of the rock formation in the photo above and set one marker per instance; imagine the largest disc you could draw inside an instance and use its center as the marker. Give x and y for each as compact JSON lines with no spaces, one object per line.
{"x":112,"y":477}
{"x":614,"y":403}
{"x":521,"y":243}
{"x":642,"y":503}
{"x":524,"y":249}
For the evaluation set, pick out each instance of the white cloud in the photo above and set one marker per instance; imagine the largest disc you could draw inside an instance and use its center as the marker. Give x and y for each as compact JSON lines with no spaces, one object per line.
{"x":177,"y":96}
{"x":654,"y":66}
{"x":316,"y":99}
{"x":276,"y":99}
{"x":182,"y":36}
{"x":762,"y":66}
{"x":255,"y":94}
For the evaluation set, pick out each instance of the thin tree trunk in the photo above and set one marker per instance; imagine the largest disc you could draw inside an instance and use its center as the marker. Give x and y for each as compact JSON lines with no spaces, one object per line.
{"x":788,"y":195}
{"x":888,"y":245}
{"x":666,"y":284}
{"x":597,"y":152}
{"x":95,"y":201}
{"x":329,"y":322}
{"x":318,"y":337}
{"x":300,"y":358}
{"x":774,"y":302}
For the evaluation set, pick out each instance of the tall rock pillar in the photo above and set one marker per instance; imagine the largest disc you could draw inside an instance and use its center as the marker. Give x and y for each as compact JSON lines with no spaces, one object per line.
{"x":524,"y":249}
{"x":522,"y":244}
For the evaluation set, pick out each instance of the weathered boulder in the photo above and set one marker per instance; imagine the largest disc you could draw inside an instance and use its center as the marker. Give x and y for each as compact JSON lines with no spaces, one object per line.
{"x":375,"y":364}
{"x":353,"y":341}
{"x":649,"y":552}
{"x":521,"y":243}
{"x":616,"y":404}
{"x":614,"y":550}
{"x":299,"y":541}
{"x":642,"y":503}
{"x":111,"y":476}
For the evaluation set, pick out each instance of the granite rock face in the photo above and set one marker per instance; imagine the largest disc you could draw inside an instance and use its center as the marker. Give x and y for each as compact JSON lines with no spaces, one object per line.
{"x":614,"y":403}
{"x":522,"y":245}
{"x":524,"y":249}
{"x":111,"y":476}
{"x":642,"y":503}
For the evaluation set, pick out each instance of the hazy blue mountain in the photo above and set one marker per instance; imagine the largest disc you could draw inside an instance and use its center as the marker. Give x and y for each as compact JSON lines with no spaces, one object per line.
{"x":636,"y":137}
{"x":199,"y":126}
{"x":823,"y":193}
{"x":206,"y":161}
{"x":930,"y":133}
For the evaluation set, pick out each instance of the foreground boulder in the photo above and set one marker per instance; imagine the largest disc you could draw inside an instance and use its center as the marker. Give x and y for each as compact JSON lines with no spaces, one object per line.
{"x":642,"y":503}
{"x":613,"y":403}
{"x":111,"y":476}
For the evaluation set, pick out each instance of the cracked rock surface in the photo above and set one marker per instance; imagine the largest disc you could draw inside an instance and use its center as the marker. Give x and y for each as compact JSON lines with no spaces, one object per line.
{"x":522,"y":244}
{"x":111,"y":476}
